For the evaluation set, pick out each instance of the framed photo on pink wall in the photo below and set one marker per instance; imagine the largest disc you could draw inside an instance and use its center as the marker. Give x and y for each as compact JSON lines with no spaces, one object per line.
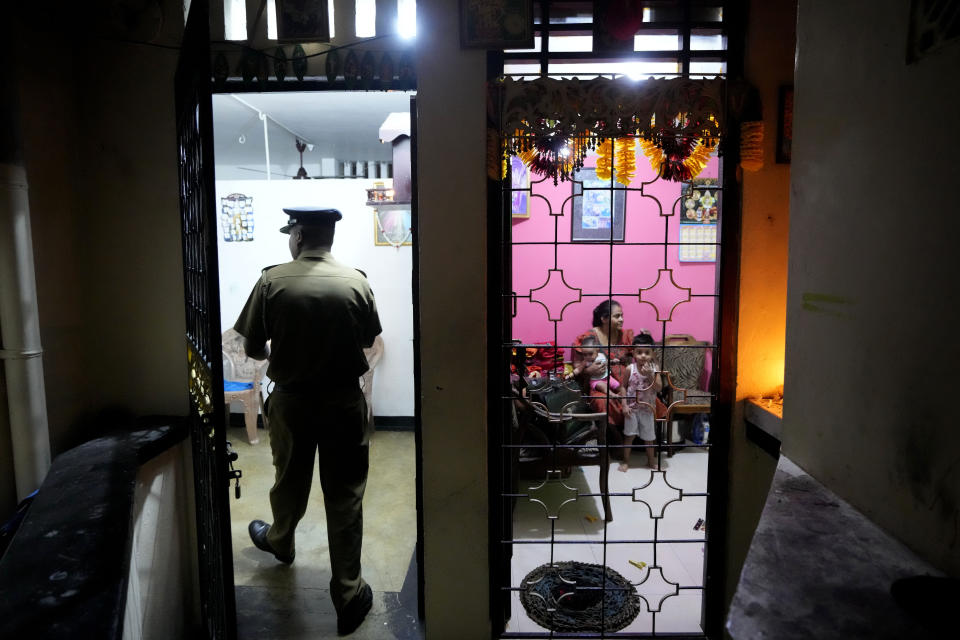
{"x":595,"y":217}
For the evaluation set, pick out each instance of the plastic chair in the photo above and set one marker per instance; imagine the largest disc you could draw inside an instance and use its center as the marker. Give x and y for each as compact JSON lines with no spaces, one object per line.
{"x":242,"y":378}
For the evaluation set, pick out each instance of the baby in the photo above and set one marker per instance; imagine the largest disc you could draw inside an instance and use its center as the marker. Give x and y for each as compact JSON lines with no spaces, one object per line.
{"x":601,"y":380}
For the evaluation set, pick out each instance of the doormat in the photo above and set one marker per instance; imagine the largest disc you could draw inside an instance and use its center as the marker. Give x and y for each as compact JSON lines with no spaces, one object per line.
{"x":572,"y":596}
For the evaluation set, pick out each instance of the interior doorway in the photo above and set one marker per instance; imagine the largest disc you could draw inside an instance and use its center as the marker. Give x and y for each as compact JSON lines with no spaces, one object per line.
{"x":350,"y":151}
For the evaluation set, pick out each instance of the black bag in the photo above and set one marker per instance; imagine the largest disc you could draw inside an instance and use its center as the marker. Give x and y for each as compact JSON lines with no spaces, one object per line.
{"x":561,"y":396}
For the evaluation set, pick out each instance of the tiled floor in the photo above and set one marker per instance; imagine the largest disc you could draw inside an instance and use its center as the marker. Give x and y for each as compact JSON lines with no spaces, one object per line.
{"x":283,"y":602}
{"x":581,"y":522}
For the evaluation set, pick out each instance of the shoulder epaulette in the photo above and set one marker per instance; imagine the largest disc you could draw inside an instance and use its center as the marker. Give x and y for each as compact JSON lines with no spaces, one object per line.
{"x":263,"y":274}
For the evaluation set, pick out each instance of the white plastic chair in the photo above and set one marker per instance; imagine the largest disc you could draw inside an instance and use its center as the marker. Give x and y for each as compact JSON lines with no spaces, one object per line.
{"x":242,"y":377}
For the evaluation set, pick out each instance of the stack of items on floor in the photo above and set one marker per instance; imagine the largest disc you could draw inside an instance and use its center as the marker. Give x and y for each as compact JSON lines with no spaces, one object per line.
{"x":543,"y":359}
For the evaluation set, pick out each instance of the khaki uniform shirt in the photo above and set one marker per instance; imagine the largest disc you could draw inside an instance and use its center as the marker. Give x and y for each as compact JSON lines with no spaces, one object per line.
{"x":319,"y":315}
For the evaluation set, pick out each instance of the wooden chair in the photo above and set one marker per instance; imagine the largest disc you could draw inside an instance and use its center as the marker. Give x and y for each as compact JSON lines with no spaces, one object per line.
{"x":242,"y":378}
{"x":684,"y":386}
{"x":373,"y":354}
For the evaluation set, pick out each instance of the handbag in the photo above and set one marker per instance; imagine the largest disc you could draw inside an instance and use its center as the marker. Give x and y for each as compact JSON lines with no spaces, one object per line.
{"x":561,"y":396}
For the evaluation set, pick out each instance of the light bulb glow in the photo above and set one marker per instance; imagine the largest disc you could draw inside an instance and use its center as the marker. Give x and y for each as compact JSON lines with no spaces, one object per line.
{"x":407,"y":19}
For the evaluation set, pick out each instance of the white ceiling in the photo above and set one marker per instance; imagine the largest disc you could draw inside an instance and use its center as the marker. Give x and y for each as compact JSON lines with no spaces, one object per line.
{"x":341,"y":124}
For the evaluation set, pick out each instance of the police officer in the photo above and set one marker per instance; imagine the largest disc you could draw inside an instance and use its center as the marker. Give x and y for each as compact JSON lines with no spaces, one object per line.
{"x":319,"y":315}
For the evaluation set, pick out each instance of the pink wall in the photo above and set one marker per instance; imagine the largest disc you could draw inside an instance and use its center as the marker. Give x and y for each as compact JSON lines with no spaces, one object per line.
{"x":587,"y":266}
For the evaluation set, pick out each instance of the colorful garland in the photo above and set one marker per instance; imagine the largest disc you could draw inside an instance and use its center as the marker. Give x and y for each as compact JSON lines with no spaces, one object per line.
{"x":678,"y":160}
{"x":555,"y":123}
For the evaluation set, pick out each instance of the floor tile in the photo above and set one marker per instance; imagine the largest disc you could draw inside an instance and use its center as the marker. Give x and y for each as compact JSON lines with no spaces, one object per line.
{"x":279,"y":601}
{"x":582,"y":520}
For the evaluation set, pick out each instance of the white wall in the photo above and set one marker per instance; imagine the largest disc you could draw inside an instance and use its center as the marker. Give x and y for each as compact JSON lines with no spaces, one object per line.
{"x":871,"y":343}
{"x":389,"y":269}
{"x":162,"y":577}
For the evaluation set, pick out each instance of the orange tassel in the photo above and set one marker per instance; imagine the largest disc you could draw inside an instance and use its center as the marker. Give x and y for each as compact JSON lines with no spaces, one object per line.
{"x":605,"y":159}
{"x":626,"y":160}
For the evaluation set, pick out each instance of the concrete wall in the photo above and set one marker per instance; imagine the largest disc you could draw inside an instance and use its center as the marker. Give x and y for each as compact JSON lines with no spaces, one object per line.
{"x":768,"y":65}
{"x":452,"y":185}
{"x":103,"y":200}
{"x":871,"y":346}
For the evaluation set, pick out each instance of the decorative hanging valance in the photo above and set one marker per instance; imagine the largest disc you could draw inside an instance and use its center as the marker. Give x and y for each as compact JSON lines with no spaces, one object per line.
{"x":551,"y":124}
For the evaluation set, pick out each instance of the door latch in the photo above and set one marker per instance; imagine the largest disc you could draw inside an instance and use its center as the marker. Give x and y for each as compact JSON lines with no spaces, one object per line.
{"x":234,"y":474}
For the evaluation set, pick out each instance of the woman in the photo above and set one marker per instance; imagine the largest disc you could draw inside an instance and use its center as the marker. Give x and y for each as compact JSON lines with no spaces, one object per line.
{"x":609,"y":332}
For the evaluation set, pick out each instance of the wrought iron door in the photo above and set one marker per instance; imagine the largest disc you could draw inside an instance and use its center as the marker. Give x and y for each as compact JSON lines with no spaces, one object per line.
{"x":202,"y":304}
{"x":600,"y":213}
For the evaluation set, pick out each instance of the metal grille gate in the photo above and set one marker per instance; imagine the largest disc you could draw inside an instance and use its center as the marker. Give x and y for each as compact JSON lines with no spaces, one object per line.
{"x":202,"y":304}
{"x":557,"y":497}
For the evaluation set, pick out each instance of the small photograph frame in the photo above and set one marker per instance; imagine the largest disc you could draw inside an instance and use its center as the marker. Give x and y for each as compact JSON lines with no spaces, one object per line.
{"x":594,"y":219}
{"x":392,"y":227}
{"x":496,"y":24}
{"x":785,"y":124}
{"x":303,"y":21}
{"x":519,"y":188}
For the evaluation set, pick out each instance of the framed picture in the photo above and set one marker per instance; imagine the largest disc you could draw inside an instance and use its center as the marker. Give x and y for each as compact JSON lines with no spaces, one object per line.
{"x":303,"y":21}
{"x":700,"y":201}
{"x":392,"y":227}
{"x":520,"y":188}
{"x":785,"y":124}
{"x":594,"y":219}
{"x":496,"y":24}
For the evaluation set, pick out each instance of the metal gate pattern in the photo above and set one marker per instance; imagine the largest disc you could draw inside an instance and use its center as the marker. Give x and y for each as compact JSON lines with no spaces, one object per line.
{"x":551,"y":477}
{"x":202,"y":305}
{"x":550,"y":501}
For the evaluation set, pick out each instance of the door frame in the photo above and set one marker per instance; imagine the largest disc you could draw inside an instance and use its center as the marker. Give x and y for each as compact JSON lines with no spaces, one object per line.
{"x":235,"y":87}
{"x":198,"y":217}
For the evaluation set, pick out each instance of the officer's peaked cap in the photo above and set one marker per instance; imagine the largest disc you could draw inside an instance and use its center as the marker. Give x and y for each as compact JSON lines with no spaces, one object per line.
{"x":310,"y":216}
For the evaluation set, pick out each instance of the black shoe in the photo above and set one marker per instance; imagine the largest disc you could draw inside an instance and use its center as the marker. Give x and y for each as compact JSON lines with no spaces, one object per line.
{"x":258,"y":533}
{"x":355,"y":611}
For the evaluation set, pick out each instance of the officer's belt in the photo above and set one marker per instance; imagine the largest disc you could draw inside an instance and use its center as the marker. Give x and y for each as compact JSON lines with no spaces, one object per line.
{"x":318,"y":386}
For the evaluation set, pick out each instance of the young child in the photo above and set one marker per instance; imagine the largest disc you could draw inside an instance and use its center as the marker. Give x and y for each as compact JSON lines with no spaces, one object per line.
{"x":643,"y":383}
{"x":593,"y":354}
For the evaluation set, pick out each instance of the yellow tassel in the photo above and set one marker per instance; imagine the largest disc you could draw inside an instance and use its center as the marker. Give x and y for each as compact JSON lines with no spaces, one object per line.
{"x":626,"y":160}
{"x":527,"y":156}
{"x":751,"y":145}
{"x":699,"y":157}
{"x":605,"y":159}
{"x":653,"y":153}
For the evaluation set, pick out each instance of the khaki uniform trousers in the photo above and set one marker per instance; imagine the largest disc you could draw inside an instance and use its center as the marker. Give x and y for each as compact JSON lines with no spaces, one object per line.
{"x":332,"y":423}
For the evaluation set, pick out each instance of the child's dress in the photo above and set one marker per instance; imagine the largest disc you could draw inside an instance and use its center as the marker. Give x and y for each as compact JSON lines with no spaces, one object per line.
{"x":604,"y":375}
{"x":640,"y":390}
